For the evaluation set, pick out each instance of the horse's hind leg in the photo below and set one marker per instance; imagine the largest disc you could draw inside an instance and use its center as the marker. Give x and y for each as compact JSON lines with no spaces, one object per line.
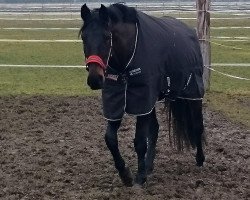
{"x":200,"y":158}
{"x":112,"y":144}
{"x":140,"y":143}
{"x":198,"y":127}
{"x":152,"y":140}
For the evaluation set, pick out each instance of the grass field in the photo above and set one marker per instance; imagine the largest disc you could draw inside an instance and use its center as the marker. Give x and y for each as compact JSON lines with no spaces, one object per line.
{"x":39,"y":34}
{"x":231,"y":96}
{"x":44,"y":81}
{"x":41,"y":53}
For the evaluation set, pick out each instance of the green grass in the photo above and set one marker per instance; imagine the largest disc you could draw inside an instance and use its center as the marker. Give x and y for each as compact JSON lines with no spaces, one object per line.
{"x":41,"y":24}
{"x":221,"y":22}
{"x":41,"y":53}
{"x":43,"y":81}
{"x":230,"y":22}
{"x":41,"y":16}
{"x":235,"y":107}
{"x":71,"y":53}
{"x":231,"y":96}
{"x":222,"y":54}
{"x":231,"y":32}
{"x":228,"y":85}
{"x":39,"y":34}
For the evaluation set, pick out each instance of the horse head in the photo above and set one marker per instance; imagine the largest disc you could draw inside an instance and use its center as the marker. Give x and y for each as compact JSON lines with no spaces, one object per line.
{"x":97,"y":41}
{"x":106,"y":31}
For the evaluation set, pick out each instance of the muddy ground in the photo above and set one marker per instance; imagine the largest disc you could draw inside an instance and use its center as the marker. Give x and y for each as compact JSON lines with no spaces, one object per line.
{"x":53,"y":148}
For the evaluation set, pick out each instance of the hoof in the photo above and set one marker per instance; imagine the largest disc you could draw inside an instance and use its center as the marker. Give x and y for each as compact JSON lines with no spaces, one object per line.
{"x":137,"y":187}
{"x":200,"y":161}
{"x":138,"y":190}
{"x":126,"y":177}
{"x":139,"y":180}
{"x":199,"y":164}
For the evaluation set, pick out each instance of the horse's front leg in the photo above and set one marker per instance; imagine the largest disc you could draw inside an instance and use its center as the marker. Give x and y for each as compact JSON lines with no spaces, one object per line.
{"x":112,"y":143}
{"x":140,"y":143}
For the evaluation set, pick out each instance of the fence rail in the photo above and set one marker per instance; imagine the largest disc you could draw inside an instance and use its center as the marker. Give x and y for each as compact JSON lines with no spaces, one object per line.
{"x":166,"y":6}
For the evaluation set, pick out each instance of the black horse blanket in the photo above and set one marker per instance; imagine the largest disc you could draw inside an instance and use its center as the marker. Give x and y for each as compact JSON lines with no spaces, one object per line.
{"x":167,"y":64}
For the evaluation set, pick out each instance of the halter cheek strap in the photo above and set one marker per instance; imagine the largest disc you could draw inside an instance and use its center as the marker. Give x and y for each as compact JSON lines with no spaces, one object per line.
{"x":96,"y":59}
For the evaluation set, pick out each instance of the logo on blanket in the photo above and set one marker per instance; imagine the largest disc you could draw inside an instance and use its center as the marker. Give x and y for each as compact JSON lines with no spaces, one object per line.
{"x":113,"y":77}
{"x":135,"y":72}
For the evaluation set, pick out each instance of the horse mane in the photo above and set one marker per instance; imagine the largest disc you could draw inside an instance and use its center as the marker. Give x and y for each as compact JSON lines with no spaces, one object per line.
{"x":119,"y":12}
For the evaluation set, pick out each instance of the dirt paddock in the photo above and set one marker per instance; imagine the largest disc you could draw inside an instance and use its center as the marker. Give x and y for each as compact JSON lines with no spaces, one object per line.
{"x":53,"y":148}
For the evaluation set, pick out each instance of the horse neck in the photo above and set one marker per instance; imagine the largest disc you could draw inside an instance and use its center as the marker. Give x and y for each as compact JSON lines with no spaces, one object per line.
{"x":124,"y":36}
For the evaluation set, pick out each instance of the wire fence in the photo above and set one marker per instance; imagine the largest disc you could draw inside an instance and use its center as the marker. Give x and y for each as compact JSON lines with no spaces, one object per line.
{"x":237,"y":11}
{"x":174,"y":6}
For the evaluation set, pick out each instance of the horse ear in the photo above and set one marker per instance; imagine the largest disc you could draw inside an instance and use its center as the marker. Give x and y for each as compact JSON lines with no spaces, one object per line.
{"x":85,"y":12}
{"x":104,"y":14}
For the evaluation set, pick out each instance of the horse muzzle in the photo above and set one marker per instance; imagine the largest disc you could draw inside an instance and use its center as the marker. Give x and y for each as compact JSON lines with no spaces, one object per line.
{"x":96,"y":68}
{"x":95,"y":78}
{"x":95,"y":82}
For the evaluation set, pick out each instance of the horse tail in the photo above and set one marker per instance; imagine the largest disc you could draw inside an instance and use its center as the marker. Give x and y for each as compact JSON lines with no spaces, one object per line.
{"x":185,"y":122}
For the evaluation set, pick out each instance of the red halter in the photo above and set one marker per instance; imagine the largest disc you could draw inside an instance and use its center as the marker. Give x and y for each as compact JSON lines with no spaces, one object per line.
{"x":96,"y":59}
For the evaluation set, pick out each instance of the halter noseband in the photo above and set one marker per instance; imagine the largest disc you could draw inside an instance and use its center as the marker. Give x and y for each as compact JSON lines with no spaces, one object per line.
{"x":97,"y":59}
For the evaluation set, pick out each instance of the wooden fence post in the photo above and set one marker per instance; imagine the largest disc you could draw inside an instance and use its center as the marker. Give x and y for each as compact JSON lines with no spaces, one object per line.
{"x":203,"y":32}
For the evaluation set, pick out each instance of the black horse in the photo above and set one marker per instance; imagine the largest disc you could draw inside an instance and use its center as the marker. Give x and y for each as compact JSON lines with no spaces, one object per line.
{"x":137,"y":60}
